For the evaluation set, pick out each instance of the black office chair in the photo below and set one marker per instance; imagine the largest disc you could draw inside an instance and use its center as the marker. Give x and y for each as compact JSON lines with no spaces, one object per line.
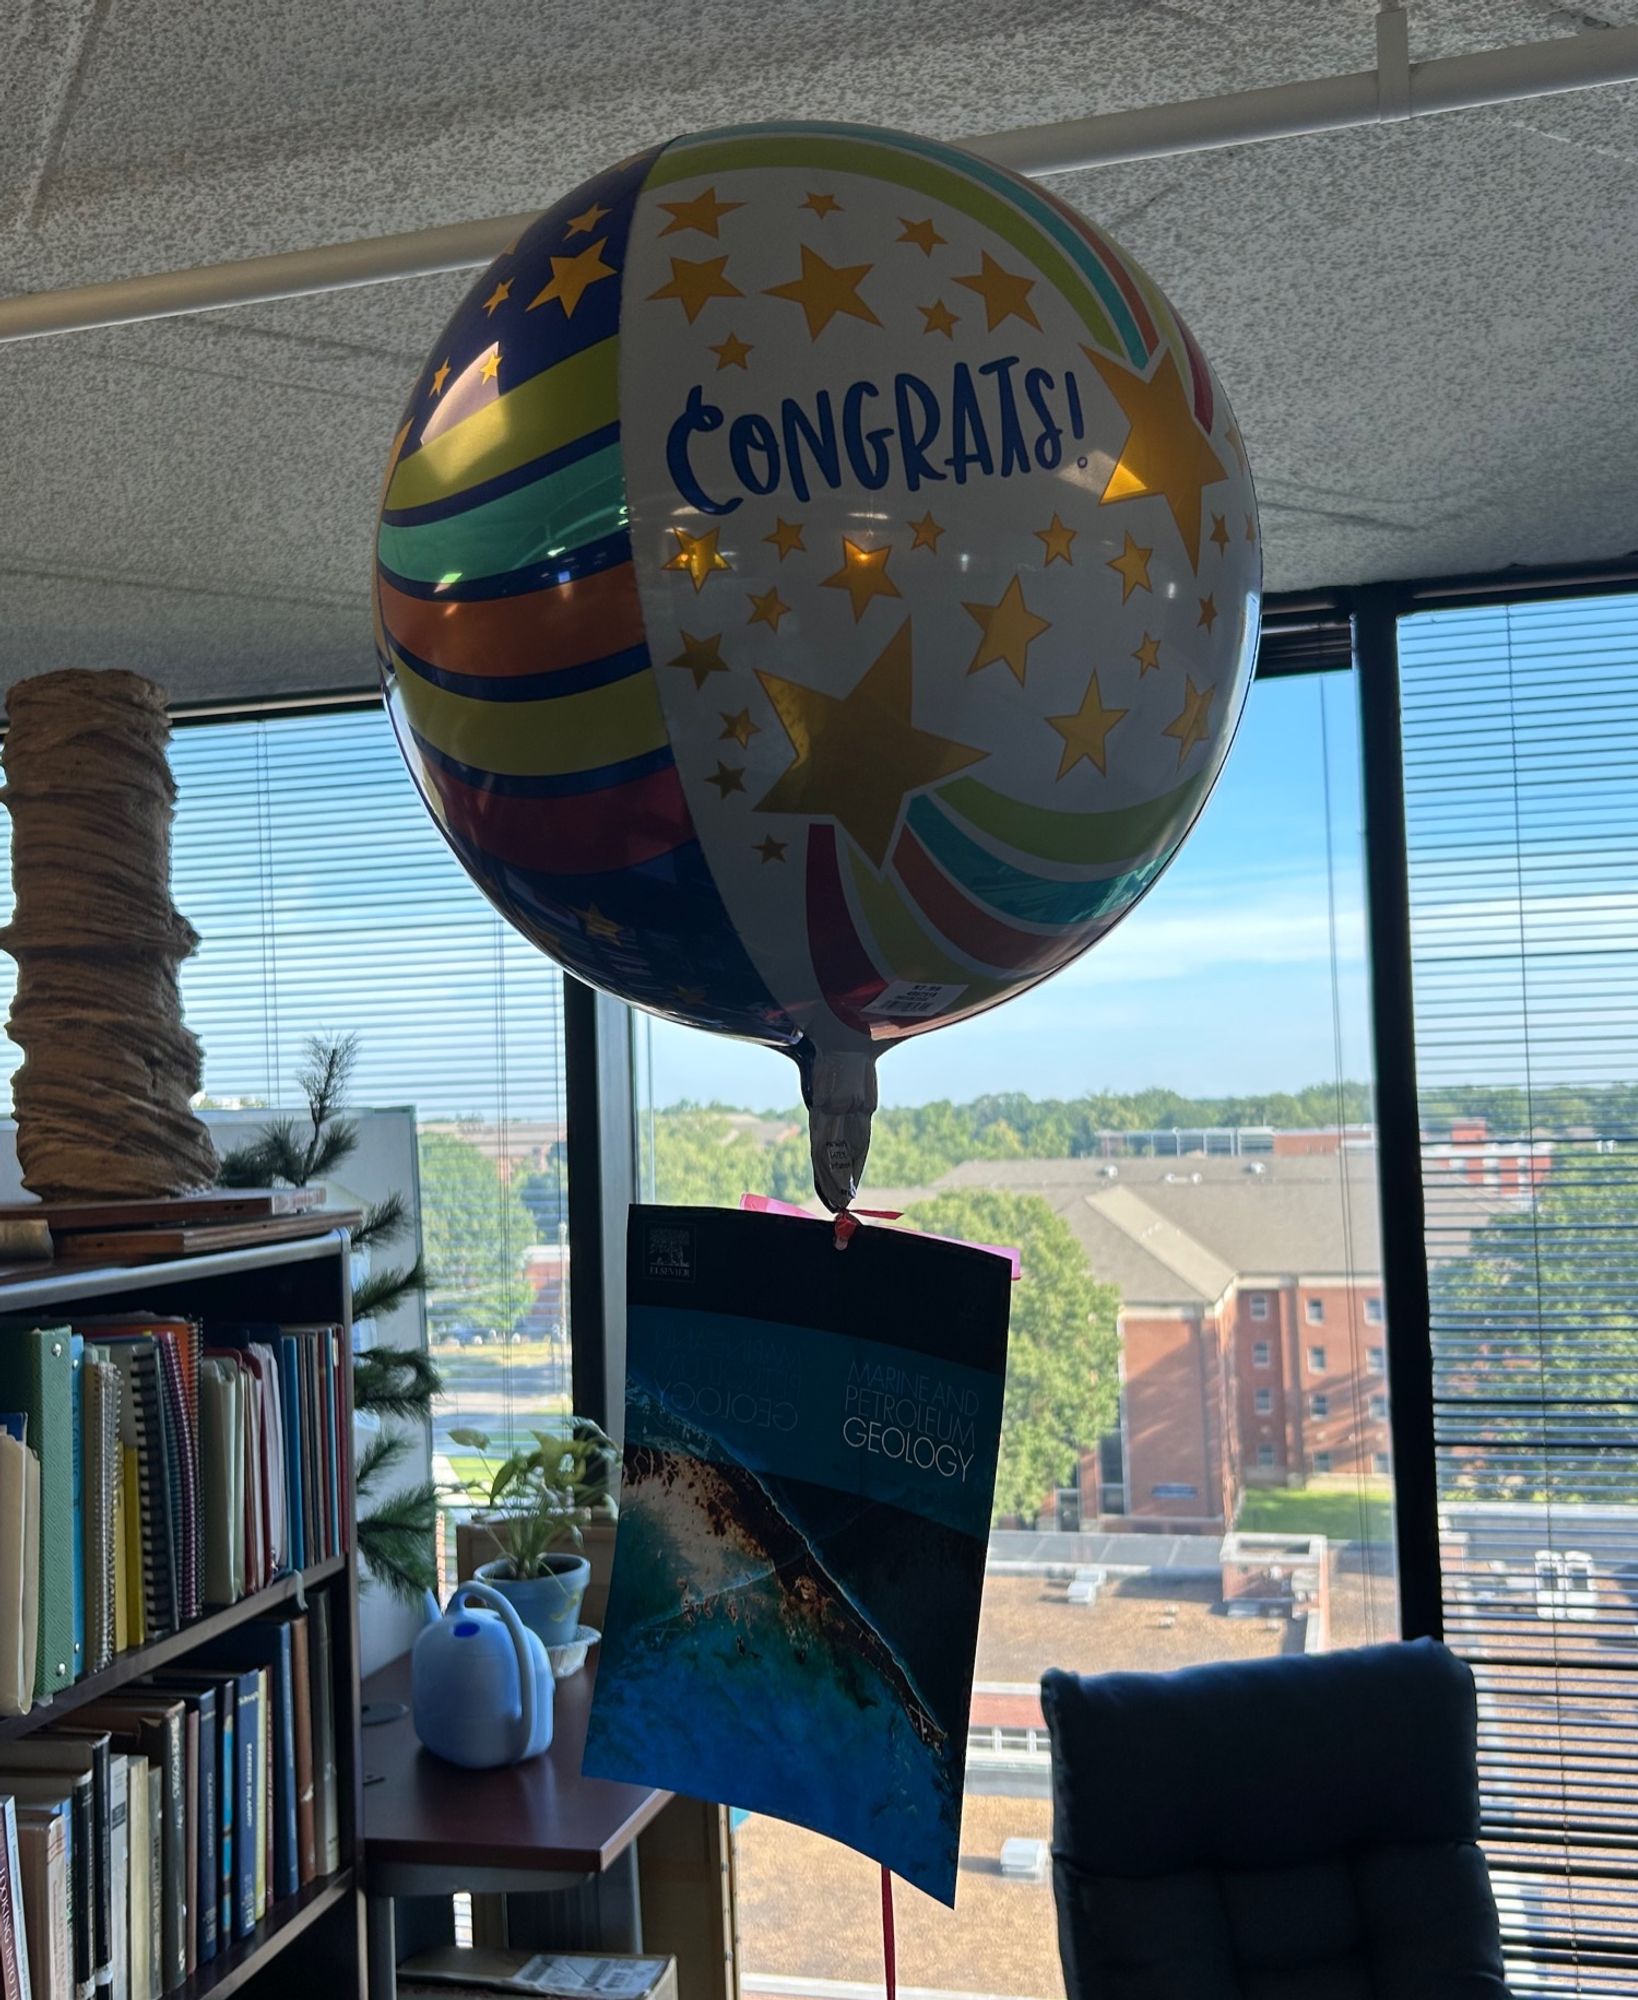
{"x":1285,"y":1829}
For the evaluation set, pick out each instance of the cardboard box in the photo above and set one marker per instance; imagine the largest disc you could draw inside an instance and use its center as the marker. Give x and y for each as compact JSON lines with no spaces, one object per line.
{"x":558,"y":1975}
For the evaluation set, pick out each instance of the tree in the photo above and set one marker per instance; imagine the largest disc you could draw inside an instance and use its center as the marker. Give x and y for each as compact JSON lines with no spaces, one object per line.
{"x":1063,"y":1374}
{"x":547,"y":1200}
{"x":474,"y":1230}
{"x":702,"y":1157}
{"x":1541,"y":1307}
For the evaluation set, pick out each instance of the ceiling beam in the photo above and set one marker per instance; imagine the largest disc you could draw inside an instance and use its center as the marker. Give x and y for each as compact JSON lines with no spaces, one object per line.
{"x":1394,"y":90}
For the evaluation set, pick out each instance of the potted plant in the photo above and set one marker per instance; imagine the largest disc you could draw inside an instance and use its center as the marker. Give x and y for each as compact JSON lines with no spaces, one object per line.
{"x":534,"y":1504}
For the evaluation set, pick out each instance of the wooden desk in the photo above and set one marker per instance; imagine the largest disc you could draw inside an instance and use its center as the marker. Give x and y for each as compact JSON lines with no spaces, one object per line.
{"x":431,"y":1828}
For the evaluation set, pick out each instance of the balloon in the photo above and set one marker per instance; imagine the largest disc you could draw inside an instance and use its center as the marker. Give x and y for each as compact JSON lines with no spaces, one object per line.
{"x":816,"y":587}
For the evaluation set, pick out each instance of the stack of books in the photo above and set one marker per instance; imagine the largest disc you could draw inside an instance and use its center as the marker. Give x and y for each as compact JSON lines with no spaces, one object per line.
{"x":151,"y":1829}
{"x":151,"y":1467}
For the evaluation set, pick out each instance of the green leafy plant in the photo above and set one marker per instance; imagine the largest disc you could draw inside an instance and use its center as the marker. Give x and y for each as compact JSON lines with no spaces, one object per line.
{"x":397,"y":1535}
{"x":535,"y":1500}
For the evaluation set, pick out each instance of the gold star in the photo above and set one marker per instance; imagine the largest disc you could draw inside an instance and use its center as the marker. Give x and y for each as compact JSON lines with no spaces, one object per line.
{"x":498,"y":296}
{"x":1166,"y":452}
{"x":863,"y":575}
{"x":584,"y":223}
{"x":767,"y":609}
{"x":922,"y":234}
{"x":1086,"y":732}
{"x":770,"y":849}
{"x":1132,"y":565}
{"x":823,"y":204}
{"x":1147,"y":656}
{"x":597,"y":925}
{"x":1005,"y":293}
{"x":693,"y":284}
{"x":824,"y":290}
{"x":939,"y":318}
{"x":702,"y":657}
{"x":738,"y":728}
{"x":787,"y":535}
{"x":699,"y":555}
{"x":731,"y":352}
{"x":704,"y":212}
{"x":1056,"y":539}
{"x":1189,"y":728}
{"x":440,"y":375}
{"x":926,"y":532}
{"x":1251,"y":529}
{"x":1220,"y":533}
{"x":727,"y":778}
{"x":491,"y":365}
{"x":1208,"y":612}
{"x":571,"y":276}
{"x":857,"y":757}
{"x":1009,"y":629}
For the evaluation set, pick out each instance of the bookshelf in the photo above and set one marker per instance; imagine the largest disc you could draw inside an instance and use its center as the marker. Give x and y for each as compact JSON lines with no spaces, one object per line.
{"x":318,"y":1934}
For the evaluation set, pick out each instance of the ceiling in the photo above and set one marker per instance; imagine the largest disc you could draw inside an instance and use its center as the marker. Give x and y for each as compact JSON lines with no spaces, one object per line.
{"x":1426,"y":329}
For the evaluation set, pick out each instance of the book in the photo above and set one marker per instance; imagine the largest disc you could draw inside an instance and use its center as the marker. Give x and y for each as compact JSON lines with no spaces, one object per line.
{"x":139,"y":1719}
{"x":19,"y":1574}
{"x":136,"y":1593}
{"x":326,"y":1796}
{"x":101,"y":1523}
{"x":290,"y":1384}
{"x":14,"y":1969}
{"x":36,"y":1376}
{"x":69,"y":1751}
{"x":221,"y":1474}
{"x":301,"y":1695}
{"x":43,"y":1842}
{"x":156,"y":1877}
{"x":119,"y":1873}
{"x":204,"y":1871}
{"x":67,"y":1793}
{"x":139,"y":1901}
{"x":266,"y":1644}
{"x":264,"y":1796}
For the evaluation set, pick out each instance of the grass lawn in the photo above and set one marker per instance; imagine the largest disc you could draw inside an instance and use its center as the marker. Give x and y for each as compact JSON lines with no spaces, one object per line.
{"x":1346,"y":1514}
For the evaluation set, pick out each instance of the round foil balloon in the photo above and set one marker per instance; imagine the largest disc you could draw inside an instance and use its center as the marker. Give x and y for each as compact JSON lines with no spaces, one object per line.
{"x":816,"y":587}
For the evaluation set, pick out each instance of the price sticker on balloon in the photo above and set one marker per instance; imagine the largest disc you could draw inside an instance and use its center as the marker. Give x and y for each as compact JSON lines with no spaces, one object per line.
{"x":816,"y":587}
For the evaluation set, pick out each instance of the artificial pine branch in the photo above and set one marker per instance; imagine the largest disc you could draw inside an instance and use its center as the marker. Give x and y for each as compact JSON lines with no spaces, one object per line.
{"x":395,"y":1382}
{"x":383,"y":1290}
{"x":378,"y":1457}
{"x":384,"y":1221}
{"x":398,"y":1542}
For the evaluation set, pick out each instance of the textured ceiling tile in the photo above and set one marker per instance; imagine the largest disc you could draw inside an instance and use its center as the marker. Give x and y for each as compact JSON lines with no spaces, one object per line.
{"x":1424,"y":329}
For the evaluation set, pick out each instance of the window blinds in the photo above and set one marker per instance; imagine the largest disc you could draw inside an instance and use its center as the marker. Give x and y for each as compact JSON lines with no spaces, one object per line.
{"x":1521,"y":776}
{"x":327,"y":903}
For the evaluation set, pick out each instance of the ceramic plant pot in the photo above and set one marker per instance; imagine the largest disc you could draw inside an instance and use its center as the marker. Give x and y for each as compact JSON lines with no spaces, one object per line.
{"x":549,"y":1604}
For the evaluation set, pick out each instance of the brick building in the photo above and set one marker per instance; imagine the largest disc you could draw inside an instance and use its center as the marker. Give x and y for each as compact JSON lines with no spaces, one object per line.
{"x":1253,"y":1345}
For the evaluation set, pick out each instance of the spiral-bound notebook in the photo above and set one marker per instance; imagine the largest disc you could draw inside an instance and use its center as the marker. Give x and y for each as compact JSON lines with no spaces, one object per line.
{"x":145,"y":1431}
{"x":102,"y":1398}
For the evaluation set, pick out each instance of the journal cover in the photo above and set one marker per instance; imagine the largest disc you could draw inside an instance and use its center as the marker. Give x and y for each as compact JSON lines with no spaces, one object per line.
{"x":36,"y":1376}
{"x":810,"y":1453}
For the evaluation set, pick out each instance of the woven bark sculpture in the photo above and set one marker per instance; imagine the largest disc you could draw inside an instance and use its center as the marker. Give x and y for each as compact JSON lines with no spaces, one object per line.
{"x":102,"y":1098}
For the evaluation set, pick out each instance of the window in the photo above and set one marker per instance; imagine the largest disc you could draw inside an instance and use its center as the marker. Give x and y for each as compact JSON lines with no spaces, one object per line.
{"x":1259,"y":1305}
{"x":327,"y":902}
{"x":1381,"y":1464}
{"x":1376,"y":1360}
{"x":976,"y":1136}
{"x":1377,"y":1406}
{"x":1322,"y":1461}
{"x":1314,"y":1311}
{"x":1319,"y":1404}
{"x":1521,"y":783}
{"x":1316,"y":1361}
{"x":1373,"y":1312}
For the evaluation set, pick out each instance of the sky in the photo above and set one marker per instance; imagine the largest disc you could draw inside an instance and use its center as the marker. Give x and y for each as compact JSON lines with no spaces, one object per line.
{"x":1220,"y":982}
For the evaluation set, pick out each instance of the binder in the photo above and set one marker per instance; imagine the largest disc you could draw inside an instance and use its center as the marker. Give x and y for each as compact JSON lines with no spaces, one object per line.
{"x":37,"y":1377}
{"x":19,"y":1573}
